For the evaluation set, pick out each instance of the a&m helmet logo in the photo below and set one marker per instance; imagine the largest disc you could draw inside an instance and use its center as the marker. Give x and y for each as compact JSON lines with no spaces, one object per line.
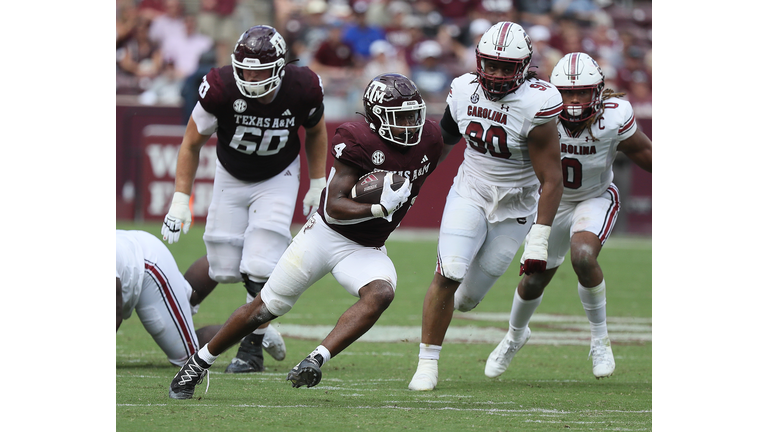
{"x":375,"y":92}
{"x":279,"y":43}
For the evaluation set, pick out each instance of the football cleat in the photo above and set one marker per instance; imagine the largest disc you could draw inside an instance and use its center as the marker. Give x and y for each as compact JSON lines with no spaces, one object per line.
{"x":500,"y":358}
{"x":425,"y":377}
{"x":273,"y":343}
{"x":189,"y":376}
{"x":249,"y":357}
{"x":602,"y":357}
{"x":306,"y":373}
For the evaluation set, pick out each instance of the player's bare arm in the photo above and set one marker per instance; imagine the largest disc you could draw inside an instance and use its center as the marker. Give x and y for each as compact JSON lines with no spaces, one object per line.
{"x":189,"y":157}
{"x":544,"y":149}
{"x":316,"y":145}
{"x":339,"y":205}
{"x":638,"y":149}
{"x":446,"y":150}
{"x":119,"y":297}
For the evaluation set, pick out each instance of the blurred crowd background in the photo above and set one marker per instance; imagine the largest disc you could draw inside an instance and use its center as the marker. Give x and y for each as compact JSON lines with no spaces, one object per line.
{"x":165,"y":47}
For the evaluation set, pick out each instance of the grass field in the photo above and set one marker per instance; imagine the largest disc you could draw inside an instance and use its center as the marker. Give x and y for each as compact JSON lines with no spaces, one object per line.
{"x":549,"y":385}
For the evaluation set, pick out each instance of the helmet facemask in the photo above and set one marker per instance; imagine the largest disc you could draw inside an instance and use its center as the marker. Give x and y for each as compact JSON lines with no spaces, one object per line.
{"x":257,"y":89}
{"x":496,"y":87}
{"x":401,"y":125}
{"x":579,"y":112}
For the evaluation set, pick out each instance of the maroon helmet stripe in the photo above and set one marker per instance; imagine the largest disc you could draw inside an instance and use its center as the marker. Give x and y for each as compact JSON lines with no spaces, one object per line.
{"x":573,"y":67}
{"x":502,"y":36}
{"x":574,"y":62}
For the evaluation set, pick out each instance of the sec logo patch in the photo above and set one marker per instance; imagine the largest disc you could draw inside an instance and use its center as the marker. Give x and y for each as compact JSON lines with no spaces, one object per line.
{"x":240,"y":105}
{"x":377,"y":157}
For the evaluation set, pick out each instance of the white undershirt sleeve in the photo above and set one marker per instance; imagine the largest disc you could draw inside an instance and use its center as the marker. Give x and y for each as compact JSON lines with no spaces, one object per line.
{"x":207,"y":123}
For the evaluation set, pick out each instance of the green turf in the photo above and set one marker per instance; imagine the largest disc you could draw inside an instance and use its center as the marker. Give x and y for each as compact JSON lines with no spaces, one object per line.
{"x":548,"y":387}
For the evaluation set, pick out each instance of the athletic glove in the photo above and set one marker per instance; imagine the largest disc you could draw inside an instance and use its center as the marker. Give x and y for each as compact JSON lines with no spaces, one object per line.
{"x":178,"y":217}
{"x":391,"y":200}
{"x":534,"y":259}
{"x":312,"y":198}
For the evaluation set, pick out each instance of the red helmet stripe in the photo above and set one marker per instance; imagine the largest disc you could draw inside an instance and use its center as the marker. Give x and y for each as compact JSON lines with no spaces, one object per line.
{"x":503,"y":35}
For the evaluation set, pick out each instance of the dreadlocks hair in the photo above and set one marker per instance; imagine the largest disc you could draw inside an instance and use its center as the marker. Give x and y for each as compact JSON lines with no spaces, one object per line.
{"x":607,"y":94}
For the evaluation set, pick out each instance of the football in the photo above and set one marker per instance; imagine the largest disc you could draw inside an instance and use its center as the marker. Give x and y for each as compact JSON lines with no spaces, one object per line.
{"x":368,"y":188}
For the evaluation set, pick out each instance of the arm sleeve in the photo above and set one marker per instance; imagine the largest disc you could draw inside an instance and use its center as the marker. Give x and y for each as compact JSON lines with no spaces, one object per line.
{"x":314,"y":116}
{"x":449,"y":128}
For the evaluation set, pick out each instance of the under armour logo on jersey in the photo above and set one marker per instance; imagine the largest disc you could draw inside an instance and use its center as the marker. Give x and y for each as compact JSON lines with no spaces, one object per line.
{"x":287,"y":112}
{"x":424,"y":159}
{"x":505,"y":107}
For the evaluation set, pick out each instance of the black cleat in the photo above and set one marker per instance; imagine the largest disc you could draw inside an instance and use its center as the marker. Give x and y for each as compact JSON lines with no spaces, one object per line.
{"x":189,"y":376}
{"x":249,"y":357}
{"x":305,"y":373}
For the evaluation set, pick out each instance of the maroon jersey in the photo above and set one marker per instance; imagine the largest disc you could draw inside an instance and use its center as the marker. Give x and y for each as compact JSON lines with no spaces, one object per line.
{"x":355,"y":145}
{"x":257,"y":141}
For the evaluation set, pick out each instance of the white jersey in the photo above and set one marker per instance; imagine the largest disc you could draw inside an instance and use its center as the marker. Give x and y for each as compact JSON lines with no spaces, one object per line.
{"x":497,"y":132}
{"x":130,"y":268}
{"x":587,"y":161}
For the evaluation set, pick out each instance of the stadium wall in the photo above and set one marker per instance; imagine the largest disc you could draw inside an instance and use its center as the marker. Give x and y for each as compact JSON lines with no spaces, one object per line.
{"x":148,"y":139}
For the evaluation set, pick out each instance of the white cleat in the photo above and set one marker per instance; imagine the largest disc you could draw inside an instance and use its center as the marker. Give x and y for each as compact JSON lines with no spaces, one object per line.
{"x":273,"y":343}
{"x":425,"y":377}
{"x":500,"y":358}
{"x":602,"y":358}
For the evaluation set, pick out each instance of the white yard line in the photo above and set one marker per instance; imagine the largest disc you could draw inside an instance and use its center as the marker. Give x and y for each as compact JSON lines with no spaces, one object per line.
{"x":547,"y":330}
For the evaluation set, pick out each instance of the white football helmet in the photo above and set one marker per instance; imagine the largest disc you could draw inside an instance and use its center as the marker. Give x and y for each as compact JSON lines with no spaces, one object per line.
{"x":579,"y":71}
{"x":506,"y":42}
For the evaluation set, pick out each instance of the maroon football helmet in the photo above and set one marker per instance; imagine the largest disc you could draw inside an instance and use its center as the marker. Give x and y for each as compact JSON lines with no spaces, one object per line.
{"x":259,"y":48}
{"x":394,"y":109}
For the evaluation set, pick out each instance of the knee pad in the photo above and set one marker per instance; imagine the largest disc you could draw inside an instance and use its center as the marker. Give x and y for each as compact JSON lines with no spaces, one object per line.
{"x":463,"y":302}
{"x":276,"y":304}
{"x":224,"y":271}
{"x":224,"y":259}
{"x":224,"y":278}
{"x":454,"y":268}
{"x":496,"y":257}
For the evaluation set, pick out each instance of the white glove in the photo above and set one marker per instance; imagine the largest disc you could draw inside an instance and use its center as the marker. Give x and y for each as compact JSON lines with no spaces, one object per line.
{"x":534,"y":259}
{"x":312,"y":198}
{"x":391,"y":200}
{"x":178,"y":217}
